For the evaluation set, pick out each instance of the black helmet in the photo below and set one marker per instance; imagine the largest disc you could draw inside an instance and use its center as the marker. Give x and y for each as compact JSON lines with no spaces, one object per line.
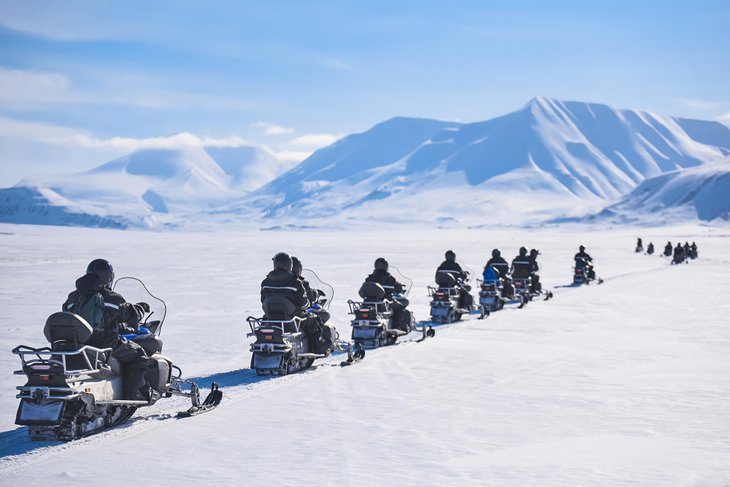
{"x":282,"y":261}
{"x":496,"y":253}
{"x":581,"y":248}
{"x":103,"y":269}
{"x":534,"y":252}
{"x":296,"y":266}
{"x":450,"y":255}
{"x":381,"y":264}
{"x":523,"y":251}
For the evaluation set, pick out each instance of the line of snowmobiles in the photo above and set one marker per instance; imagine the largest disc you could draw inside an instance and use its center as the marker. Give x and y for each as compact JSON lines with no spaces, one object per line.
{"x":74,"y":389}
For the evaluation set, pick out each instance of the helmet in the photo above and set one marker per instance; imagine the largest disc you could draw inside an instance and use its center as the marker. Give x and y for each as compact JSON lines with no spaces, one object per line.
{"x":450,"y":255}
{"x":296,"y":266}
{"x":523,"y":251}
{"x":381,"y":264}
{"x":581,"y":248}
{"x":534,"y":253}
{"x":496,"y":253}
{"x":282,"y":261}
{"x":103,"y":269}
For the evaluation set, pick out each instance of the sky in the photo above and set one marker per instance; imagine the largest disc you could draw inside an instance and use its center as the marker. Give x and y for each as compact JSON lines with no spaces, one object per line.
{"x":84,"y":82}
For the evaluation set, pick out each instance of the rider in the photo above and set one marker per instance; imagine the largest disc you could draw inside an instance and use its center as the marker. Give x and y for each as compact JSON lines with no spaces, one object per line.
{"x":312,"y":294}
{"x":534,"y":269}
{"x":393,"y":290}
{"x":639,"y":245}
{"x":452,"y":267}
{"x":582,"y":255}
{"x":282,"y":281}
{"x":521,"y":265}
{"x":668,"y":249}
{"x":678,"y":254}
{"x":118,"y":316}
{"x":650,"y":248}
{"x":501,"y":265}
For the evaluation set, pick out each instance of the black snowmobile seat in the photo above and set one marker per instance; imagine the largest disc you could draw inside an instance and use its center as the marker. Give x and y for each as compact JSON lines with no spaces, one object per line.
{"x":445,"y":279}
{"x":372,"y":291}
{"x":278,"y":307}
{"x":67,"y":327}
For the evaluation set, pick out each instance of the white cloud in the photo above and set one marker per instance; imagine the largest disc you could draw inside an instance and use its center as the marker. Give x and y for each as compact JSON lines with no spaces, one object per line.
{"x":53,"y":134}
{"x":292,"y":156}
{"x":700,"y":104}
{"x":724,"y":118}
{"x":315,"y":141}
{"x":272,"y":129}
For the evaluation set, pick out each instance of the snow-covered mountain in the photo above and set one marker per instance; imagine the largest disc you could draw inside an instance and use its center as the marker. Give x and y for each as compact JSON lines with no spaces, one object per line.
{"x":550,"y":157}
{"x":147,"y":187}
{"x":701,"y":192}
{"x":551,"y":160}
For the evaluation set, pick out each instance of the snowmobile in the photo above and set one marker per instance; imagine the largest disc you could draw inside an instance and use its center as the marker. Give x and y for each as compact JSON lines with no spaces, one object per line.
{"x":281,"y":346}
{"x":74,"y":390}
{"x":373,"y":325}
{"x":490,"y":294}
{"x":445,"y":299}
{"x":583,"y":272}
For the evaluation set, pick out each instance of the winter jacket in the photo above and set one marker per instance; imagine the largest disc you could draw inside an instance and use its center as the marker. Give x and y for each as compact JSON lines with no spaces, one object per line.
{"x":521,"y":266}
{"x":452,"y":267}
{"x":583,"y":255}
{"x":280,"y":281}
{"x":117,"y":311}
{"x":385,"y":279}
{"x":500,"y":264}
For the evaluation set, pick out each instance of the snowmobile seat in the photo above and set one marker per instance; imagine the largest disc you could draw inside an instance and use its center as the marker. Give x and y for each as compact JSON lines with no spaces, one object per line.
{"x":67,"y":330}
{"x":372,"y":291}
{"x":278,"y":307}
{"x":445,"y":279}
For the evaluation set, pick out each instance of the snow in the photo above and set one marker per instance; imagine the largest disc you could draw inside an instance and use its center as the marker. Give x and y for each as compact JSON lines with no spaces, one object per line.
{"x":623,"y":383}
{"x":702,"y":192}
{"x":549,"y":159}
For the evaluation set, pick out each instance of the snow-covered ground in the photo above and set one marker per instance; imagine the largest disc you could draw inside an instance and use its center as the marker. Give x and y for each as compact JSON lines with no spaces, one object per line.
{"x":623,"y":383}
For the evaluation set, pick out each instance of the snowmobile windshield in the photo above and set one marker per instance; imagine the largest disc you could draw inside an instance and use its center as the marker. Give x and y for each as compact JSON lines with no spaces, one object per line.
{"x":135,"y":291}
{"x":402,"y":278}
{"x":327,"y":292}
{"x":466,"y":269}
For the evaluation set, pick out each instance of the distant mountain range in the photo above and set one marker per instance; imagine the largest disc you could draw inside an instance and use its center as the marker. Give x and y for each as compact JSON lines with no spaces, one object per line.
{"x":550,"y":160}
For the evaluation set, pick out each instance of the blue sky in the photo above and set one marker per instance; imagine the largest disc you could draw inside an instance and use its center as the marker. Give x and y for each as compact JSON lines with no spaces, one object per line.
{"x":82,"y":82}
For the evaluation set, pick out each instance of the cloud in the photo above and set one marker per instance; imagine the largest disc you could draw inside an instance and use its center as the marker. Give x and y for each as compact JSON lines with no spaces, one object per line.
{"x":700,"y":104}
{"x":292,"y":156}
{"x":724,"y":118}
{"x":315,"y":141}
{"x":272,"y":129}
{"x":66,"y":136}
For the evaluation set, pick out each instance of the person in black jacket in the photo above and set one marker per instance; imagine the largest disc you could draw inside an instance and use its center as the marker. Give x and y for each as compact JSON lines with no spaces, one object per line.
{"x":534,"y":269}
{"x":119,"y":316}
{"x":668,"y":249}
{"x":679,"y":256}
{"x":282,"y":281}
{"x":393,"y":290}
{"x":521,"y":265}
{"x":450,"y":266}
{"x":501,"y":266}
{"x":582,"y":255}
{"x":313,"y":294}
{"x":498,"y":262}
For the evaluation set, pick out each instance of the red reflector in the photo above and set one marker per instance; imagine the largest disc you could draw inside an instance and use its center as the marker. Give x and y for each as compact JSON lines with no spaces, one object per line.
{"x":45,"y":377}
{"x":268,"y":337}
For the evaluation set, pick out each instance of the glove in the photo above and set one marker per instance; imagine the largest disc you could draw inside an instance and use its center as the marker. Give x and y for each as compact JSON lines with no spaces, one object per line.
{"x":145,"y":307}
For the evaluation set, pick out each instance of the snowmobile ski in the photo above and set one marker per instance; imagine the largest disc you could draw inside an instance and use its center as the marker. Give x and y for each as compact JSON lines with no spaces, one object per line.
{"x":214,"y":398}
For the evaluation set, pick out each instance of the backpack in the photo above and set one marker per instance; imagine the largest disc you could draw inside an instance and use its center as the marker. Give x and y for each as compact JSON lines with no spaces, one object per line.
{"x":91,"y":308}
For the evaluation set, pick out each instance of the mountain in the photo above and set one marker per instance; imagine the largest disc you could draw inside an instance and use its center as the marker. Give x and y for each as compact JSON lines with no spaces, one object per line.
{"x":551,"y":160}
{"x":148,"y":187}
{"x":701,"y":193}
{"x":550,"y":157}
